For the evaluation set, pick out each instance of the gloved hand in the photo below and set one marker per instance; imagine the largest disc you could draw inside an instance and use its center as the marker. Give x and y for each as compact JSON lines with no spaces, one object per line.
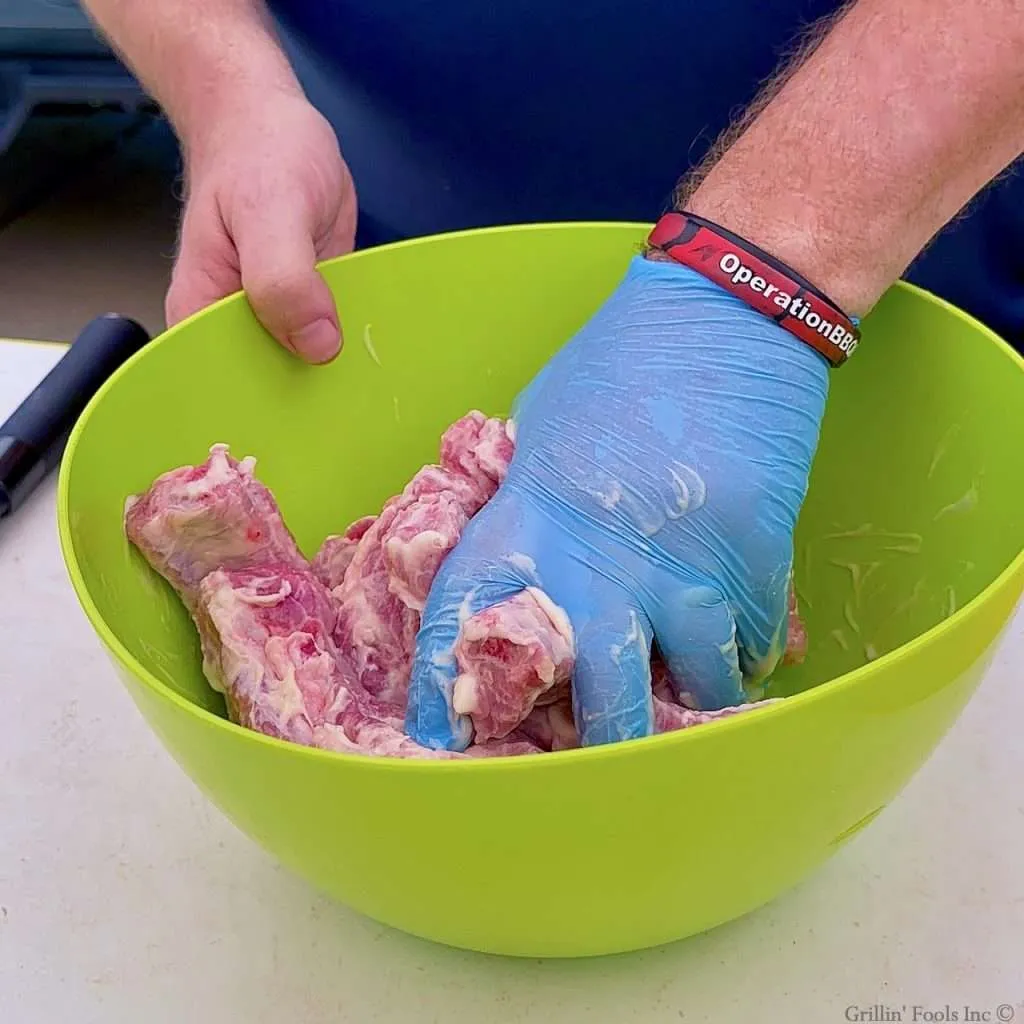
{"x":661,"y":461}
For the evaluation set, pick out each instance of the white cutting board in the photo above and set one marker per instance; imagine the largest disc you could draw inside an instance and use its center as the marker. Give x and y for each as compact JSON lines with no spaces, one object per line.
{"x":23,"y":364}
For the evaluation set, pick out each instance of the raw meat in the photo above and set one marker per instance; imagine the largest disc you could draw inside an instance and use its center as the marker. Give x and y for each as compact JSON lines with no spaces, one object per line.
{"x":336,"y":553}
{"x":552,"y":727}
{"x":515,"y":665}
{"x":670,"y":715}
{"x":510,"y":657}
{"x":267,"y":637}
{"x":796,"y":633}
{"x":277,"y":664}
{"x":264,"y":615}
{"x":214,"y":516}
{"x":321,"y":654}
{"x":388,"y":575}
{"x":351,"y":730}
{"x":479,"y":449}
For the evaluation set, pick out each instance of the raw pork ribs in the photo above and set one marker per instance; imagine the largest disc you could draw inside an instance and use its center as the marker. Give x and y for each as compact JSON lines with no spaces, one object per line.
{"x":321,"y":653}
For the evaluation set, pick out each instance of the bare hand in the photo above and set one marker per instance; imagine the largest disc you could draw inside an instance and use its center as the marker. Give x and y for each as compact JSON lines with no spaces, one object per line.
{"x":269,"y":195}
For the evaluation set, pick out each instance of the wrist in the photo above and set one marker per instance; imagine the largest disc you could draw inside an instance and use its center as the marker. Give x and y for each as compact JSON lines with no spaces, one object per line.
{"x":794,"y":232}
{"x":228,"y":110}
{"x":770,"y":287}
{"x":218,"y":90}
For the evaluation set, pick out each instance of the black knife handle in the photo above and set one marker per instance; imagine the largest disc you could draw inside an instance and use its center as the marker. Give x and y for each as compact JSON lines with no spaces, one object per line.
{"x":32,"y":441}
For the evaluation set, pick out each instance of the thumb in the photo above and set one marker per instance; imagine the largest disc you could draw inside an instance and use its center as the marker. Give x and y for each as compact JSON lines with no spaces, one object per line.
{"x":277,"y":256}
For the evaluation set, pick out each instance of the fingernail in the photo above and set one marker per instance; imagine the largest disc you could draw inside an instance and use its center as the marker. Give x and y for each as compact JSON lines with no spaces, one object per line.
{"x":319,"y":342}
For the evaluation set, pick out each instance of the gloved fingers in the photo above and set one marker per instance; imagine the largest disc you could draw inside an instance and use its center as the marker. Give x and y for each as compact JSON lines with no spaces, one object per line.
{"x":611,"y":683}
{"x":696,"y":635}
{"x":762,"y":626}
{"x":473,"y":577}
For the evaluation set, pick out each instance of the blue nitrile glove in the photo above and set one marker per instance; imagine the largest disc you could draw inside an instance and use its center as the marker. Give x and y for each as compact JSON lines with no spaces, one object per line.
{"x":661,"y":460}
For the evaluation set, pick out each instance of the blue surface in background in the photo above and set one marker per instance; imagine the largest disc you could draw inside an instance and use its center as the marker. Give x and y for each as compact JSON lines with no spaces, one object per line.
{"x":465,"y":114}
{"x":50,"y":55}
{"x":47,"y":28}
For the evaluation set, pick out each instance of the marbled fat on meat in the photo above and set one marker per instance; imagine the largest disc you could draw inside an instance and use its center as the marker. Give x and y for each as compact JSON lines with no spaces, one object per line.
{"x":336,"y":552}
{"x":265,"y":620}
{"x":277,"y":664}
{"x":388,"y":575}
{"x":321,"y":654}
{"x":213,"y":516}
{"x":511,"y":656}
{"x":267,"y":634}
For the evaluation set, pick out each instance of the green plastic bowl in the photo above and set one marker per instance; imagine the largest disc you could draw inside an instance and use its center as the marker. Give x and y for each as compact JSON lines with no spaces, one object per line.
{"x":909,"y":564}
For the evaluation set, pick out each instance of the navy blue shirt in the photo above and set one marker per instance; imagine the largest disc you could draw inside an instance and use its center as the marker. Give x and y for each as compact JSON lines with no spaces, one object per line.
{"x":464,"y":114}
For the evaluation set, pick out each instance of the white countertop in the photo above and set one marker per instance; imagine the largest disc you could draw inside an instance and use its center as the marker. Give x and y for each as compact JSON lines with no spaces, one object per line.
{"x":126,"y":898}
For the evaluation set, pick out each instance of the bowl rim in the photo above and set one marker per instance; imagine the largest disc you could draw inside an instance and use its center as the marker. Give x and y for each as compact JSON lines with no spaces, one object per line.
{"x":826,"y":690}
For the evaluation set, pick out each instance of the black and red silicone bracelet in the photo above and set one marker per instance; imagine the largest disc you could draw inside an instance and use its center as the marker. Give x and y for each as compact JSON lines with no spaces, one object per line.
{"x":763,"y":282}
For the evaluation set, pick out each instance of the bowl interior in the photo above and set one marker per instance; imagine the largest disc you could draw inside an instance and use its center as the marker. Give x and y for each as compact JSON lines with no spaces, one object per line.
{"x":914,"y":506}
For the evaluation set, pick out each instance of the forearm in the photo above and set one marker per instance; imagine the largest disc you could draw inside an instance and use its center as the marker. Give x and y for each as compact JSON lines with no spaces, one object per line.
{"x":202,"y":61}
{"x":905,"y":110}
